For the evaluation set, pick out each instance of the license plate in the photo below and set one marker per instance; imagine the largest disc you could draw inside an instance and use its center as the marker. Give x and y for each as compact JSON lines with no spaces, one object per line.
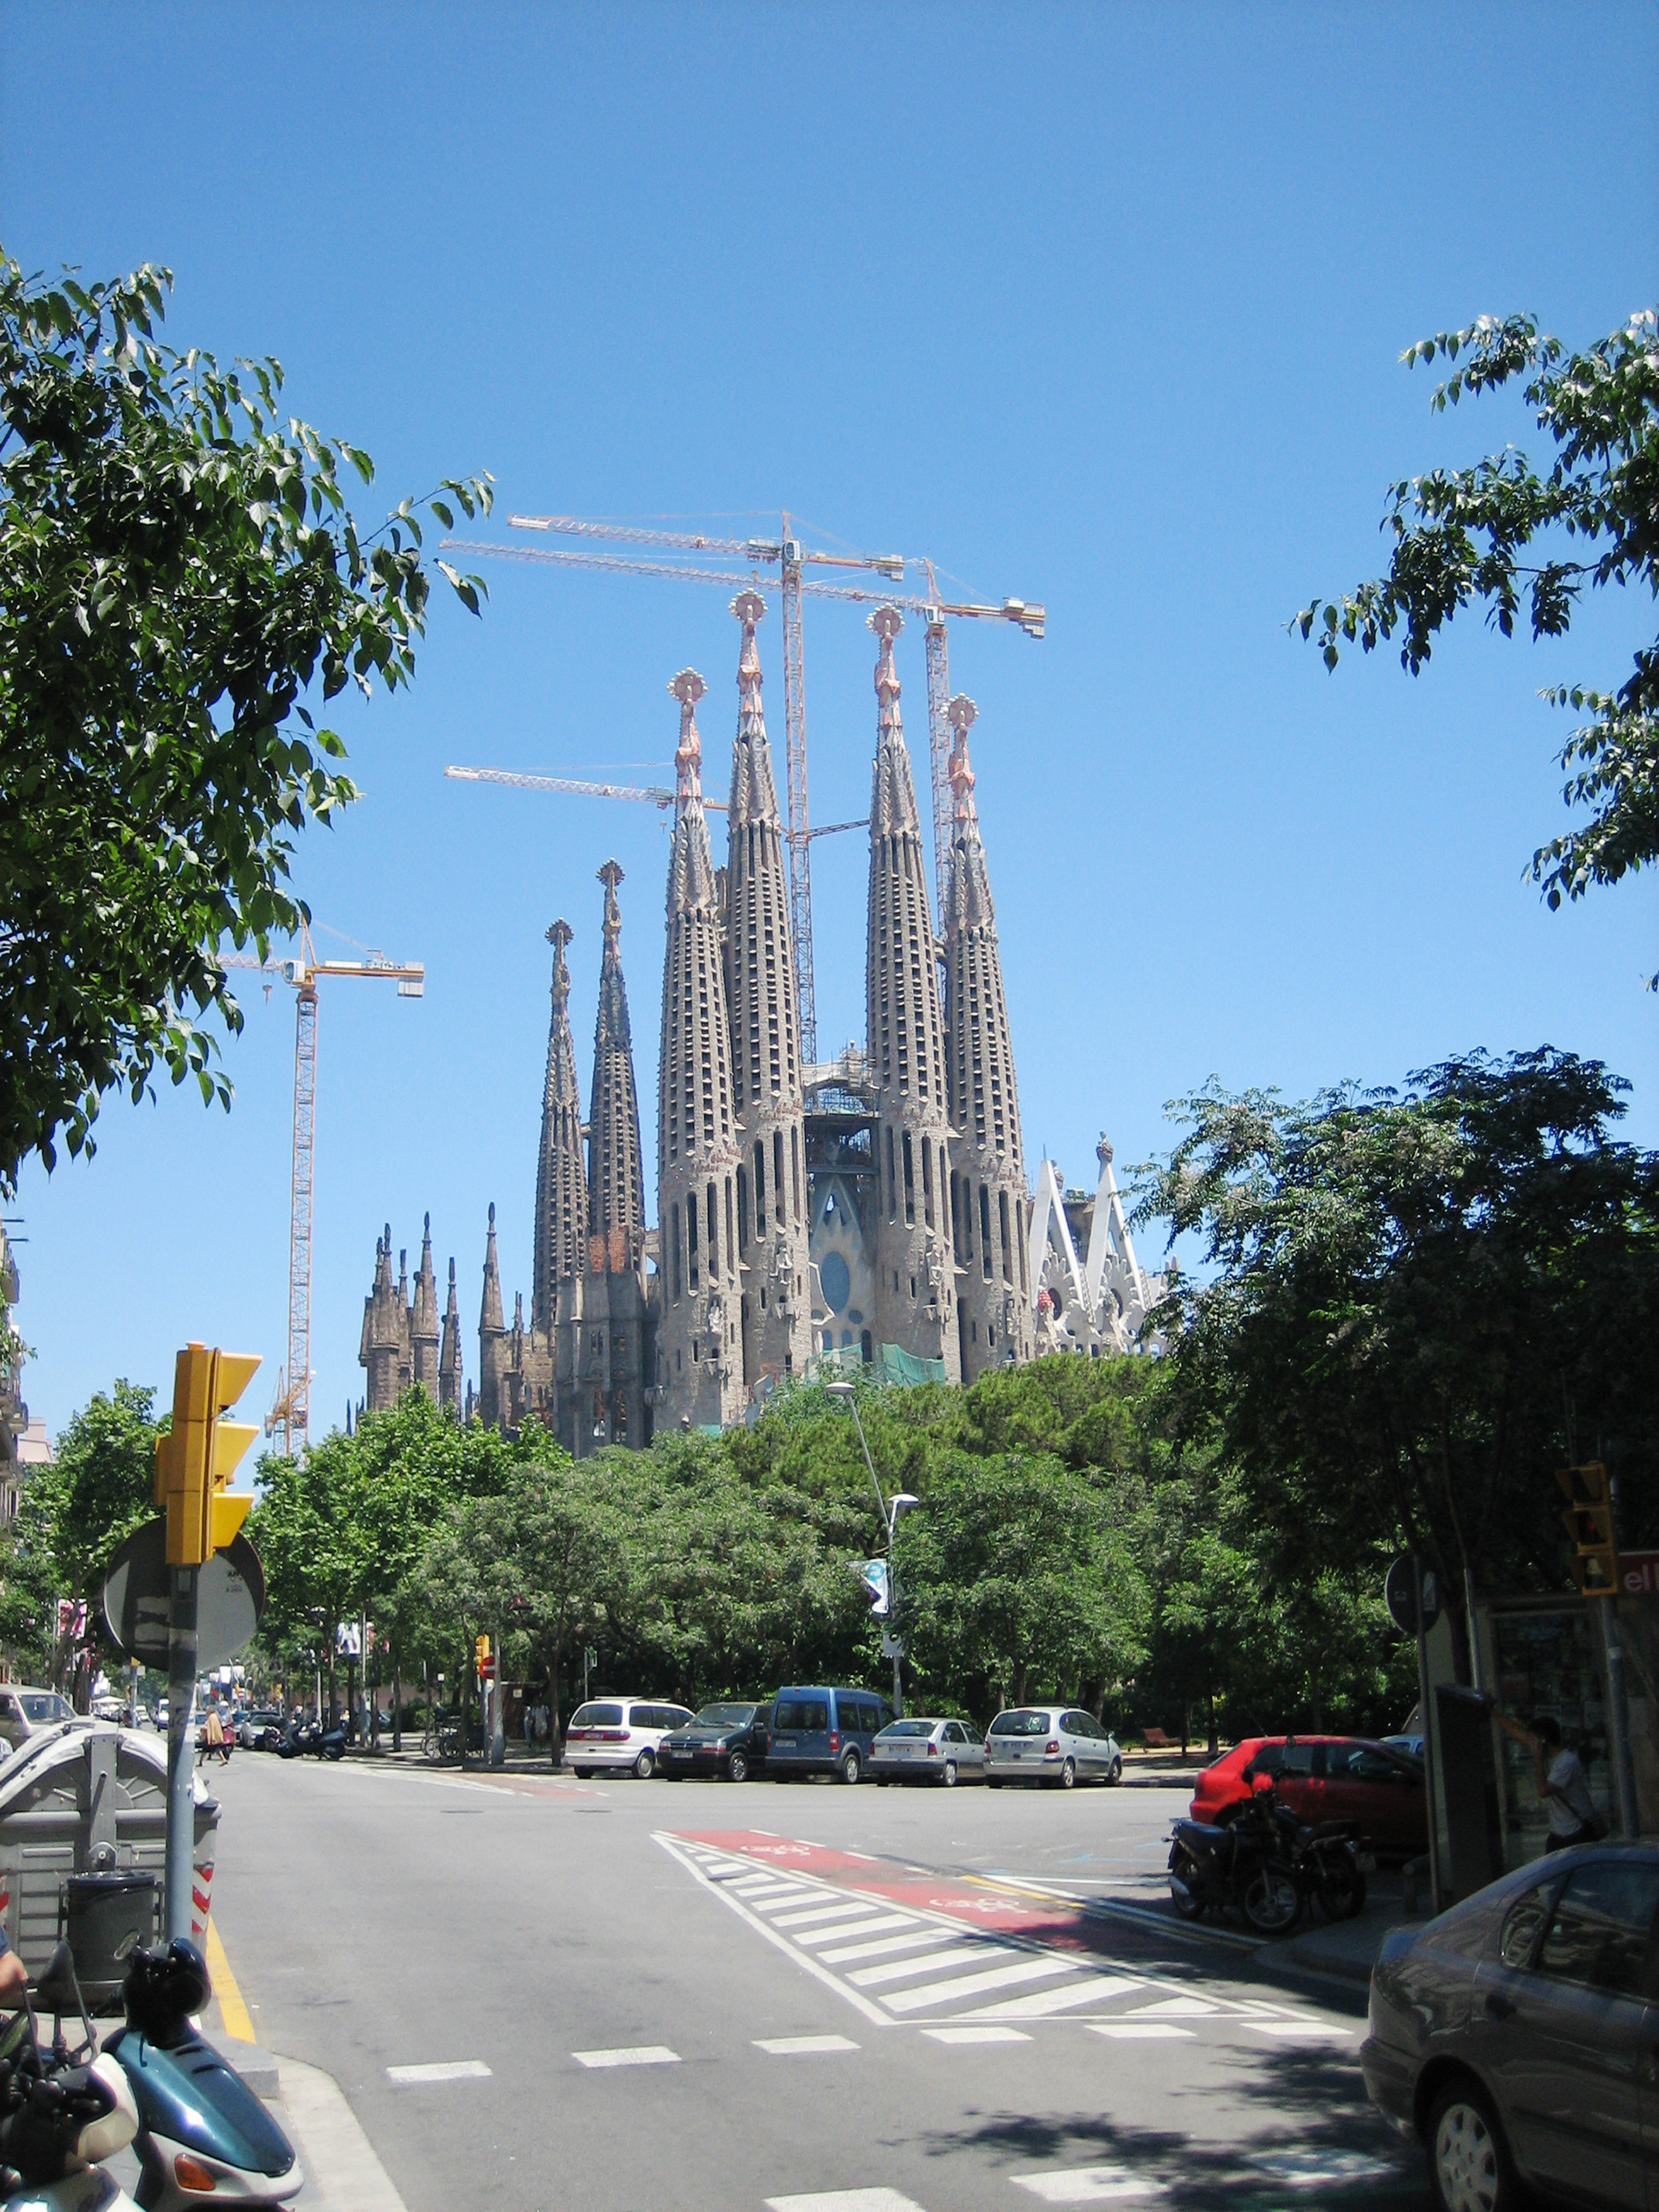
{"x":784,"y":1742}
{"x":1366,"y":1862}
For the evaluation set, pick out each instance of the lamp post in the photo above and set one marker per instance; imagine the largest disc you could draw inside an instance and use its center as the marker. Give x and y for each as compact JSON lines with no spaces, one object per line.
{"x":902,"y":1503}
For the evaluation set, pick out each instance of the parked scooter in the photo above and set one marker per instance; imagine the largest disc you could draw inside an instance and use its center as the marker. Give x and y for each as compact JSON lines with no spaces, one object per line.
{"x":61,"y":2112}
{"x":1244,"y":1867}
{"x":202,"y":2129}
{"x":304,"y":1739}
{"x":1331,"y":1862}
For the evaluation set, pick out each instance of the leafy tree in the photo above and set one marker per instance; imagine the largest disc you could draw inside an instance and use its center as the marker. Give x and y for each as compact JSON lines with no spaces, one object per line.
{"x":1424,"y":1303}
{"x":178,"y":569}
{"x":1462,"y":535}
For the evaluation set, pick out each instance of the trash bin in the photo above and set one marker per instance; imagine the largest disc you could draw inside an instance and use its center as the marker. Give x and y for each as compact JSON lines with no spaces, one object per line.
{"x":87,"y":1797}
{"x":106,"y":1917}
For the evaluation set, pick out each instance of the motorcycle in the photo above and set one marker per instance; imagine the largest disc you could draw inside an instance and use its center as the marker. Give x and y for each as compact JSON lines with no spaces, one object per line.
{"x":1244,"y":1867}
{"x":1331,"y":1862}
{"x":307,"y":1739}
{"x":61,"y":2113}
{"x":201,"y":2127}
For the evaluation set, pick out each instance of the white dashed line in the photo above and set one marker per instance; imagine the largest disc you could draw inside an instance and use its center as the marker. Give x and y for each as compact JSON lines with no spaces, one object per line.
{"x":1087,"y":2185}
{"x":801,"y":2046}
{"x":1140,"y":2031}
{"x":443,"y":2069}
{"x":845,"y":2200}
{"x":970,"y":1985}
{"x":639,"y":2054}
{"x":899,"y":1970}
{"x":976,"y":2034}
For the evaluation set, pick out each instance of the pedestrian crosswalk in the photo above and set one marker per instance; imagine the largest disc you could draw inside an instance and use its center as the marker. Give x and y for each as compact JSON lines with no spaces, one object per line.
{"x":905,"y":1965}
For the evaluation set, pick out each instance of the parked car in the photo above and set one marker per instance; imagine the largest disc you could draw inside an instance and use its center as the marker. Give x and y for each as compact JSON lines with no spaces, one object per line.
{"x":254,"y":1723}
{"x":619,"y":1734}
{"x":1053,"y":1744}
{"x":1411,"y":1745}
{"x":728,"y":1739}
{"x":25,"y":1711}
{"x":1327,"y":1777}
{"x":824,"y":1731}
{"x":922,"y":1750}
{"x":1516,"y":2035}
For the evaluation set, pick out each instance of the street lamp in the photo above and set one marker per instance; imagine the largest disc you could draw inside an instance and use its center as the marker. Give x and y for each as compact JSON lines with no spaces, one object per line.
{"x":902,"y":1503}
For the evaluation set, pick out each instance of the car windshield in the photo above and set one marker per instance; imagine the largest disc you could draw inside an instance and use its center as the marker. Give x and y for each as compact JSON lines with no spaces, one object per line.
{"x":597,"y":1717}
{"x":43,"y":1705}
{"x":725,"y":1716}
{"x":1024,"y":1720}
{"x":910,"y":1728}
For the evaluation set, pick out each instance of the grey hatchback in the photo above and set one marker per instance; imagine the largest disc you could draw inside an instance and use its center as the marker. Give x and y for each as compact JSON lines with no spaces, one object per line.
{"x":1518,"y":2034}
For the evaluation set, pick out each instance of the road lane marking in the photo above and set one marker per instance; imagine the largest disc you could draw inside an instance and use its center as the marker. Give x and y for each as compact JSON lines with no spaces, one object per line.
{"x":1043,"y":2004}
{"x":1177,"y":2008}
{"x":239,"y":2025}
{"x":887,"y":1948}
{"x":970,"y":1985}
{"x":839,"y":1911}
{"x":976,"y":2034}
{"x":1310,"y":2169}
{"x":1304,"y":2030}
{"x":338,"y":2159}
{"x":638,"y":2054}
{"x":883,"y":1924}
{"x":1140,"y":2031}
{"x":845,"y":2200}
{"x":1087,"y":2185}
{"x":440,"y":2069}
{"x":802,"y":2046}
{"x":898,"y":1970}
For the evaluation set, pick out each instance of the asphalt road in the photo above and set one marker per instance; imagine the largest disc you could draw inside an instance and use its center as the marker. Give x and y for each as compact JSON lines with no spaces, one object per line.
{"x":719,"y":1999}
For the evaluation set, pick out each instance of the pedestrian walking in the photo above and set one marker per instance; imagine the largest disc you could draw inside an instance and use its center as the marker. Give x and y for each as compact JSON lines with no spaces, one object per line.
{"x":1558,"y":1773}
{"x":214,"y":1732}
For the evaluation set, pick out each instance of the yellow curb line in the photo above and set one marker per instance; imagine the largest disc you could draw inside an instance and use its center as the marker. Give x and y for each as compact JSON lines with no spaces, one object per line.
{"x":239,"y":2023}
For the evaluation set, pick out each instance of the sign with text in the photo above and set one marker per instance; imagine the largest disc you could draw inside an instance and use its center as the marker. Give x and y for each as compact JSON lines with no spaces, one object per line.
{"x":1638,"y":1574}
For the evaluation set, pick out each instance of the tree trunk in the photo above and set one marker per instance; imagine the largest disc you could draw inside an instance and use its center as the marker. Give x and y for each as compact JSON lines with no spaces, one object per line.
{"x":1318,"y":1702}
{"x":466,"y":1693}
{"x":553,"y":1664}
{"x":396,"y":1699}
{"x":1215,"y":1741}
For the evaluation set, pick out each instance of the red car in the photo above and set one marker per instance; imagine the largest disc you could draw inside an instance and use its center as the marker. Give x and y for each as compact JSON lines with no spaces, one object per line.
{"x":1324,"y":1777}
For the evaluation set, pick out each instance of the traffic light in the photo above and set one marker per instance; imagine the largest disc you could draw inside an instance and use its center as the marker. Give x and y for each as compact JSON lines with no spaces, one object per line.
{"x":1588,"y":1521}
{"x":481,"y":1655}
{"x":193,"y":1464}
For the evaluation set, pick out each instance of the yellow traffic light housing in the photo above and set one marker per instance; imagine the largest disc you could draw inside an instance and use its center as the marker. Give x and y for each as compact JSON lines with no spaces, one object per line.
{"x":481,"y":1652}
{"x":1588,"y":1523}
{"x":196,"y":1461}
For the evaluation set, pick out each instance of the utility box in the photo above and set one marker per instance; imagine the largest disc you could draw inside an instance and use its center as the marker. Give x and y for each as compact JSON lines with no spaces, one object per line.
{"x":91,"y":1798}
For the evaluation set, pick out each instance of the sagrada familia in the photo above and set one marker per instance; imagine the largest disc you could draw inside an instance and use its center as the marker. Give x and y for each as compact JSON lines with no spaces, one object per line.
{"x":875,"y":1208}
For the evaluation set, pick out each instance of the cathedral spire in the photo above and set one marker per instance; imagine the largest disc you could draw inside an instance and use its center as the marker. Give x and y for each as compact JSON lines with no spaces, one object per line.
{"x":915,"y":1288}
{"x":449,"y":1358}
{"x":615,"y":1183}
{"x":699,"y":1350}
{"x":990,"y":1211}
{"x":765,"y":1069}
{"x":489,"y":1315}
{"x":561,"y":1184}
{"x":423,"y":1331}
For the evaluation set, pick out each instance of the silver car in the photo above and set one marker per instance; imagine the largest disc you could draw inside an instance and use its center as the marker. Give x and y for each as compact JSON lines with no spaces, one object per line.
{"x":1517,"y":2035}
{"x":921,"y":1750}
{"x":1056,"y":1744}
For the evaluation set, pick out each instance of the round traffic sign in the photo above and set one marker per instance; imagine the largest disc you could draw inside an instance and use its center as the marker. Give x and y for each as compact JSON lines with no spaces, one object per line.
{"x":1400,"y":1596}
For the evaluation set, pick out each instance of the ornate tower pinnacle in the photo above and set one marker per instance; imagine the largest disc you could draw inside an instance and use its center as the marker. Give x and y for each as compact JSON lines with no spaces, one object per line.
{"x":560,"y":1182}
{"x":773,"y":1205}
{"x":490,"y":1314}
{"x":699,"y":1348}
{"x":449,"y":1358}
{"x":916,"y":1282}
{"x":615,"y":1182}
{"x":990,"y":1211}
{"x":423,"y":1330}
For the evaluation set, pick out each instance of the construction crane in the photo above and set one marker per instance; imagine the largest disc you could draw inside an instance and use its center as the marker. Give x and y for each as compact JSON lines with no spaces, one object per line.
{"x":789,"y":557}
{"x":291,"y":1409}
{"x":654,"y":794}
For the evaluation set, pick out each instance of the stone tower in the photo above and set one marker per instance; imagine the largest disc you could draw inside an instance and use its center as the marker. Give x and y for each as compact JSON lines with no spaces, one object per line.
{"x":449,"y":1358}
{"x":775,"y":1313}
{"x":699,"y":1355}
{"x":384,"y":1351}
{"x":915,"y":1289}
{"x":616,"y":1186}
{"x":988,"y":1183}
{"x":423,"y":1331}
{"x":492,"y":1335}
{"x":561,"y":1184}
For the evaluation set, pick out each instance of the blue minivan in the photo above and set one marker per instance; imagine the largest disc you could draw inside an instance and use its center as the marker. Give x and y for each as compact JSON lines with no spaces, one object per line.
{"x":817,"y":1731}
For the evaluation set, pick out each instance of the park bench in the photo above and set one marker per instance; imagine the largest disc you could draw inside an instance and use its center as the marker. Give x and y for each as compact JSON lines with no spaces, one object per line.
{"x":1156,"y":1739}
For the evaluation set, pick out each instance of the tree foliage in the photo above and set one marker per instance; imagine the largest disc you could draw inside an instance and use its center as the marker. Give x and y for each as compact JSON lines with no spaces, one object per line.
{"x":1463,"y":535}
{"x":1424,"y":1303}
{"x":179,"y":570}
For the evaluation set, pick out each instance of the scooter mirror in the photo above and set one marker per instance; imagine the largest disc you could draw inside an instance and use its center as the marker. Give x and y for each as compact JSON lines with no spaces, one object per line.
{"x":58,"y":1991}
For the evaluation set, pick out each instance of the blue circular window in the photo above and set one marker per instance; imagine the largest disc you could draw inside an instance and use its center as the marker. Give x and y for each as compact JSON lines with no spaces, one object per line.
{"x":837,"y":1283}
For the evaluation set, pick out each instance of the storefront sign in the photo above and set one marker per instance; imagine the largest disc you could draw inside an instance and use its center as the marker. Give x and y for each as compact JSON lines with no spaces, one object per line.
{"x":1638,"y":1574}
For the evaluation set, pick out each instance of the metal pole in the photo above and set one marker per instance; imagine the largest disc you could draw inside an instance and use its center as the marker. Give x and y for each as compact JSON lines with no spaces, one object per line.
{"x":1430,"y":1734}
{"x":1612,"y":1645}
{"x":181,"y":1765}
{"x":1476,"y":1679}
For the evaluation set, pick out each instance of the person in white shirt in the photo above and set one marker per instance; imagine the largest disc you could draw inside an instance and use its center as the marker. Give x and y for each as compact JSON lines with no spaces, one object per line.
{"x":1560,"y":1774}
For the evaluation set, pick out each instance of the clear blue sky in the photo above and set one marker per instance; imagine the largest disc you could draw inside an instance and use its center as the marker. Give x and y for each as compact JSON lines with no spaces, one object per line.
{"x":1097,"y":307}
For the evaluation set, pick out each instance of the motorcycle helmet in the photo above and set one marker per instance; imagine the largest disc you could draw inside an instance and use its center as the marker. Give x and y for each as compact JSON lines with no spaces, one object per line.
{"x":163,"y":1988}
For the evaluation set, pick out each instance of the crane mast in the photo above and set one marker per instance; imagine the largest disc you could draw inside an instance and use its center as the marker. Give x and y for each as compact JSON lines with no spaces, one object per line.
{"x":800,"y":836}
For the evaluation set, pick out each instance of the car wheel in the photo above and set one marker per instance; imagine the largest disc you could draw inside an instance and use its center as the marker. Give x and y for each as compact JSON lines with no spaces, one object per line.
{"x":1116,"y":1774}
{"x":581,"y":1773}
{"x":644,"y":1766}
{"x":1068,"y":1775}
{"x":737,"y":1767}
{"x":1271,"y":1900}
{"x":1469,"y":2167}
{"x":992,"y":1782}
{"x":851,"y":1767}
{"x":948,"y":1774}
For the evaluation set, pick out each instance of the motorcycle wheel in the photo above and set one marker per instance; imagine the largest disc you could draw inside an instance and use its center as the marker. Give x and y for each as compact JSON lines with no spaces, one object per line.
{"x":1341,"y":1891}
{"x":1189,"y":1907}
{"x":1271,"y":1901}
{"x":334,"y":1751}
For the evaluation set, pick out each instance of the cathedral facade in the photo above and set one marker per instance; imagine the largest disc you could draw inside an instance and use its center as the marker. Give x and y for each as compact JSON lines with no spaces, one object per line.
{"x":875,"y":1208}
